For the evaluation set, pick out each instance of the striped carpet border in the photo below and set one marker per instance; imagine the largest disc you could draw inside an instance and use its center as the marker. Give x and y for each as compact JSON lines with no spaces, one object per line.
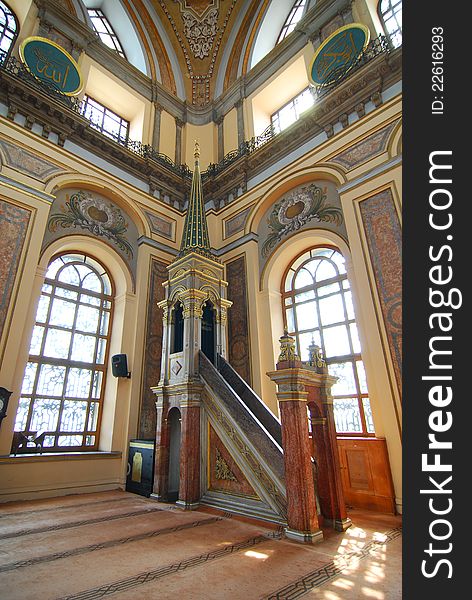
{"x":62,"y":507}
{"x":133,"y":513}
{"x":143,"y":578}
{"x":109,"y":544}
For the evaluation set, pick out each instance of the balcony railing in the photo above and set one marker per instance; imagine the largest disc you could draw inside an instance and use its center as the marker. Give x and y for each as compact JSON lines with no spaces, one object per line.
{"x":12,"y":66}
{"x":379,"y":45}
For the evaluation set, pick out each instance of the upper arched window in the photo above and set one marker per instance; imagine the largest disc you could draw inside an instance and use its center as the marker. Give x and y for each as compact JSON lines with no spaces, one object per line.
{"x":295,"y":14}
{"x":103,"y":28}
{"x":391,"y":15}
{"x":317,"y":302}
{"x":63,"y":384}
{"x":8,"y":30}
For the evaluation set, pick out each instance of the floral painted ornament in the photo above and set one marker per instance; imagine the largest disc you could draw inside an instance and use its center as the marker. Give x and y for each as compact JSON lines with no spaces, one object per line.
{"x":296,"y":209}
{"x":102,"y":219}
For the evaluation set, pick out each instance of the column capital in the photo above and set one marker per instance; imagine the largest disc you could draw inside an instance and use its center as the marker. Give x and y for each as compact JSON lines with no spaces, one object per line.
{"x":302,"y":376}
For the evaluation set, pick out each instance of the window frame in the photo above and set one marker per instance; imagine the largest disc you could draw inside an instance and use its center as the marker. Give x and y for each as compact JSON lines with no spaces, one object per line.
{"x":120,"y":120}
{"x":393,"y":9}
{"x":118,"y":47}
{"x":40,"y":359}
{"x":4,"y":54}
{"x":352,"y":357}
{"x":284,"y":31}
{"x":274,"y":117}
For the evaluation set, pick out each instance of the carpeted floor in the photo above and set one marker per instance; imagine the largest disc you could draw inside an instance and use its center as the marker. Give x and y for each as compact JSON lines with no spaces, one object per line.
{"x":124,"y":546}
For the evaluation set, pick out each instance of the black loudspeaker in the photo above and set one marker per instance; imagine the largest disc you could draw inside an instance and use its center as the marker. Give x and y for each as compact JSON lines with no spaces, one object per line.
{"x":119,"y":366}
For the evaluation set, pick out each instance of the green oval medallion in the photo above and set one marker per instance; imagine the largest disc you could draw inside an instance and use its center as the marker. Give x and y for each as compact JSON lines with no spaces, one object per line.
{"x":51,"y":64}
{"x":338,"y":53}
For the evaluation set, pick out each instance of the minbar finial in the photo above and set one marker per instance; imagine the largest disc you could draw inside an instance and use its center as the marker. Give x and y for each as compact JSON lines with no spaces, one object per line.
{"x":196,"y":152}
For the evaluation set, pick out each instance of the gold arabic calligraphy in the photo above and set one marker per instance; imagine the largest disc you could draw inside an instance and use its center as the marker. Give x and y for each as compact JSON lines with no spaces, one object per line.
{"x":51,"y":68}
{"x":342,"y":52}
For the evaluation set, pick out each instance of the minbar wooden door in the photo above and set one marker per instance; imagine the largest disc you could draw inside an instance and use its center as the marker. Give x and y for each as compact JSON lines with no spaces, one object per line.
{"x":365,"y":472}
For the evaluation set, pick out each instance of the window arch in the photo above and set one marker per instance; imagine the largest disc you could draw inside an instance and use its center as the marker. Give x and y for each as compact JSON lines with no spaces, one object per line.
{"x":64,"y":379}
{"x":295,"y":14}
{"x":390,"y":12}
{"x":8,"y":30}
{"x":317,"y":305}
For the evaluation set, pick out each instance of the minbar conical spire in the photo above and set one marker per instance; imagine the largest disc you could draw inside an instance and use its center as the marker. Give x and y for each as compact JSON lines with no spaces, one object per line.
{"x":195,"y":235}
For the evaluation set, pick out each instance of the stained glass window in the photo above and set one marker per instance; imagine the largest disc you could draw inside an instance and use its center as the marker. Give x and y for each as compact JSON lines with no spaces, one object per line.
{"x":8,"y":30}
{"x":63,"y":383}
{"x":318,"y":307}
{"x":104,"y":30}
{"x":105,"y":120}
{"x":295,"y":14}
{"x":391,"y":16}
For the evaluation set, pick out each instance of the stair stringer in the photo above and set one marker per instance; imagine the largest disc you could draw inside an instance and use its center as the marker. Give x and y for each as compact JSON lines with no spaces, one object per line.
{"x":272,"y":505}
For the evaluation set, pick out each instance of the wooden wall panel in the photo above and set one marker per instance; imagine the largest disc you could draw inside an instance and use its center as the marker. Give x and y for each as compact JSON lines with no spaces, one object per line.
{"x":365,"y":473}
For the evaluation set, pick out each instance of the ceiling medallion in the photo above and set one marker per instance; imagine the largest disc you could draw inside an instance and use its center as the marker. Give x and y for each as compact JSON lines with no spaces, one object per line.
{"x":201,"y":34}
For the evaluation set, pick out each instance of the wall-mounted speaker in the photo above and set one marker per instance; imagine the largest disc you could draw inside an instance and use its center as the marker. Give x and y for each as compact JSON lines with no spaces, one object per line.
{"x":119,"y":366}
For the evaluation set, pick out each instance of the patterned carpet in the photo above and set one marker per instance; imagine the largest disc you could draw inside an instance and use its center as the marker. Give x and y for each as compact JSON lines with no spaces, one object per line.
{"x":124,"y":546}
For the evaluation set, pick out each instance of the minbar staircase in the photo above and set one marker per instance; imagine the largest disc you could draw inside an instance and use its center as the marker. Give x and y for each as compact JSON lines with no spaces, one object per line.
{"x":242,"y":447}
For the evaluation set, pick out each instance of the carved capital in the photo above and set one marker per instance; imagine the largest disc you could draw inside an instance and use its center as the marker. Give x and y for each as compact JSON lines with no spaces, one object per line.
{"x":222,"y":316}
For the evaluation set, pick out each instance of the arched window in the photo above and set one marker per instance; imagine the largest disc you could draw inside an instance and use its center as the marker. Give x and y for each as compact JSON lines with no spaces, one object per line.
{"x":391,"y":16}
{"x":8,"y":31}
{"x":318,"y":306}
{"x":295,"y":14}
{"x":64,"y":379}
{"x":103,"y":28}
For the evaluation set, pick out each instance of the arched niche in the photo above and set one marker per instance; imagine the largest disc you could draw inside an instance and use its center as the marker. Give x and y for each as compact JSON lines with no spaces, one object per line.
{"x":103,"y":187}
{"x":282,"y":186}
{"x":208,"y":338}
{"x":177,"y":330}
{"x":174,"y":430}
{"x":93,"y":213}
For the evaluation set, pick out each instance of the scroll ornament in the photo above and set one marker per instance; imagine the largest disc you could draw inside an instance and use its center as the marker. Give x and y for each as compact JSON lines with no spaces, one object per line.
{"x":296,"y":209}
{"x":84,"y":211}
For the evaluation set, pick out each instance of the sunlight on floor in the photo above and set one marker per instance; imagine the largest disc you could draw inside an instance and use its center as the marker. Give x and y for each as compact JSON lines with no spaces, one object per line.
{"x":254,"y":554}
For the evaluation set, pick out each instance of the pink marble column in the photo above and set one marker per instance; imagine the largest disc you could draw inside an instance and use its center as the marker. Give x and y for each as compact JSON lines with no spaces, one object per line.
{"x":161,"y":453}
{"x":189,"y":489}
{"x":301,"y":503}
{"x":302,"y":519}
{"x":329,"y":484}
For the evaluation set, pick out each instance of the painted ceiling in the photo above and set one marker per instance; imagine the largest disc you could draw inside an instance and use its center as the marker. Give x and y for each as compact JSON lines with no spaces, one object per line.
{"x":199,"y":31}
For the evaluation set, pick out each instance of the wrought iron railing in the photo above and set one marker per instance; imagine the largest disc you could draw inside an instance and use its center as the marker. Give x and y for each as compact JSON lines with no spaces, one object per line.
{"x":12,"y":66}
{"x":379,"y":45}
